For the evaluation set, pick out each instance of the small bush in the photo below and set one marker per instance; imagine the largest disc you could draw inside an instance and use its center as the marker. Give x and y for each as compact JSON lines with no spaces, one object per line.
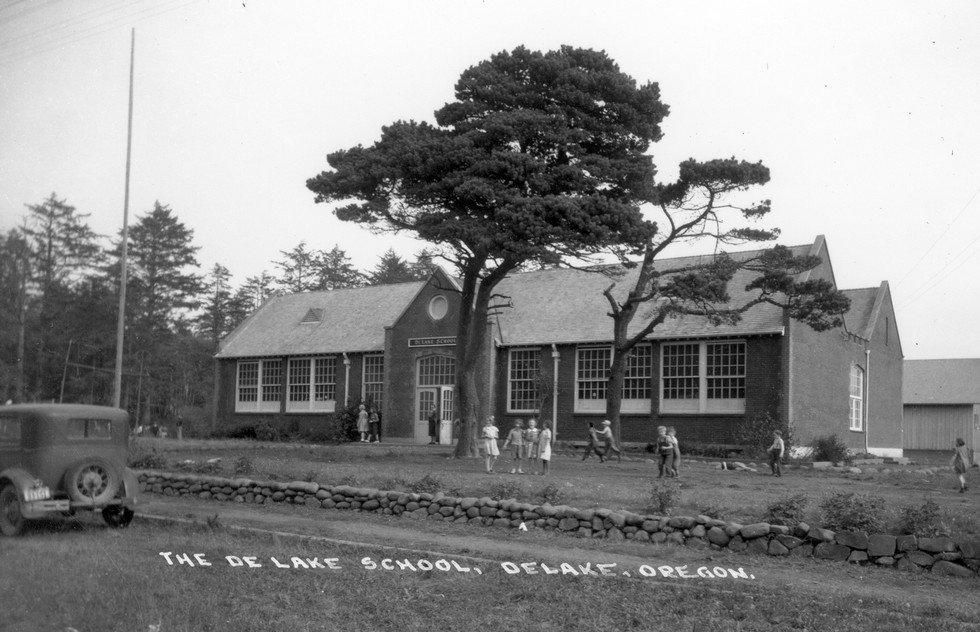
{"x":756,"y":434}
{"x":665,"y":495}
{"x":506,"y":489}
{"x":312,"y":475}
{"x":551,"y":494}
{"x":788,"y":510}
{"x":718,"y":512}
{"x":847,"y":511}
{"x":265,"y":431}
{"x":829,"y":448}
{"x":392,"y":483}
{"x":428,"y":484}
{"x":925,"y":520}
{"x":146,"y":459}
{"x":243,"y":466}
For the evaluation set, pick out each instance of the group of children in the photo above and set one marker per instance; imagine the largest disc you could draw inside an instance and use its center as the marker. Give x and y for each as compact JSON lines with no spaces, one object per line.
{"x":527,"y":444}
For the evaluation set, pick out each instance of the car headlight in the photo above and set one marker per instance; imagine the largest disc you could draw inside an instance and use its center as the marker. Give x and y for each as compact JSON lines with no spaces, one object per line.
{"x":37,"y":493}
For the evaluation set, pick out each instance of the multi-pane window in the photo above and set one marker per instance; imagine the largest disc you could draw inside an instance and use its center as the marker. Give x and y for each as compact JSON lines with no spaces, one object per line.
{"x":271,"y":380}
{"x":726,"y":370}
{"x":259,"y":387}
{"x":592,"y":373}
{"x":312,"y":384}
{"x":681,"y":371}
{"x":857,"y":397}
{"x":522,"y":372}
{"x":702,"y":377}
{"x":299,"y":379}
{"x":437,"y":371}
{"x":324,"y":379}
{"x":372,"y":381}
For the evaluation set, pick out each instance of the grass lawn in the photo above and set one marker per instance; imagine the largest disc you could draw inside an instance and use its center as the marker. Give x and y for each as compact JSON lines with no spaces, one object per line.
{"x":65,"y":576}
{"x":736,"y":496}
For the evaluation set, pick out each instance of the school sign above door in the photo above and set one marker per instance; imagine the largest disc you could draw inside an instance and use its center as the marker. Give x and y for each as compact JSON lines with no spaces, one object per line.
{"x":445,"y":341}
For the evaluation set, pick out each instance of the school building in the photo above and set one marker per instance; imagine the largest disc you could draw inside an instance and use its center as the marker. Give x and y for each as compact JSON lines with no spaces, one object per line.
{"x":302,"y":357}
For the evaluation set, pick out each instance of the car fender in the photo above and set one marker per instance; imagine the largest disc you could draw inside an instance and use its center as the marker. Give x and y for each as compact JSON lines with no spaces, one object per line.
{"x":19,"y":478}
{"x":130,"y":487}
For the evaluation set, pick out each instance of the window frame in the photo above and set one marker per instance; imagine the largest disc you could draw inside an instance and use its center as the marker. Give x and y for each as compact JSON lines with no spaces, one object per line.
{"x":378,"y":400}
{"x":536,"y":357}
{"x":258,"y":405}
{"x":856,"y":425}
{"x":704,"y":404}
{"x":312,"y":402}
{"x":628,"y":406}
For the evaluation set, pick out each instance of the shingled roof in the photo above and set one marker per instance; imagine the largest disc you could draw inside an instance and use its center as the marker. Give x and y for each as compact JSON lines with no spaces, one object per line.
{"x":948,"y":381}
{"x":349,"y":320}
{"x":567,"y":306}
{"x":548,"y":307}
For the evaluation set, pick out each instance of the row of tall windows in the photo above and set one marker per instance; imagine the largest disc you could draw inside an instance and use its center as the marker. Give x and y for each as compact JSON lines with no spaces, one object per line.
{"x":311,"y":384}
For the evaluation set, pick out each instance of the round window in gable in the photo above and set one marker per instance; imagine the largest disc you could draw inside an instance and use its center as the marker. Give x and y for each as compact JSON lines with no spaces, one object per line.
{"x":438,"y":307}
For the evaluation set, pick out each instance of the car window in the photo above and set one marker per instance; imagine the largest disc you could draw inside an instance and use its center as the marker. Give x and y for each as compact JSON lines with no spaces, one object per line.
{"x":89,"y":429}
{"x":9,"y":431}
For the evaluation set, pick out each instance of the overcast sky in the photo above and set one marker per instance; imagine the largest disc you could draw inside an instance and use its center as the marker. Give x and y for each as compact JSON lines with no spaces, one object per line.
{"x":866,"y":113}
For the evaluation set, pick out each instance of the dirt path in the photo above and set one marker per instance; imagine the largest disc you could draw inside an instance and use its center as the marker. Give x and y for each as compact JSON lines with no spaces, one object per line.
{"x":825,"y":581}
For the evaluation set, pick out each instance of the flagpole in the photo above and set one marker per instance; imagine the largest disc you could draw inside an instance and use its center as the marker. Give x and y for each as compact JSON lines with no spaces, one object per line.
{"x":121,"y":319}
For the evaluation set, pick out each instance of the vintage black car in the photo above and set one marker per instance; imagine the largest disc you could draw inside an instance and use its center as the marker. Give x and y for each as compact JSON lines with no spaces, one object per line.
{"x":59,"y":458}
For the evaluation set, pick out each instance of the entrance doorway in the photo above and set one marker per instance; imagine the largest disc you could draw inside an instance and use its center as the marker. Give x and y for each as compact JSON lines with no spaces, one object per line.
{"x":435,"y":384}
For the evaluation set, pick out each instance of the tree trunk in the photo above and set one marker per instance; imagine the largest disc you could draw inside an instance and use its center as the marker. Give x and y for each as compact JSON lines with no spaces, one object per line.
{"x":614,"y":389}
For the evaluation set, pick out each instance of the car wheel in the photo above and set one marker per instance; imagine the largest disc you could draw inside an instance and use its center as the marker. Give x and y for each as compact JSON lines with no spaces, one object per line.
{"x":11,"y":517}
{"x":117,"y":516}
{"x":92,"y":481}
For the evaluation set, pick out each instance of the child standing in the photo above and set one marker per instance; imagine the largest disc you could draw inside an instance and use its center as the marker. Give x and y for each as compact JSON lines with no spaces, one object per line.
{"x":672,"y":435}
{"x":515,"y":438}
{"x":665,"y":449}
{"x":362,"y":423}
{"x":593,"y":444}
{"x":374,"y":423}
{"x":490,"y":435}
{"x":531,"y":441}
{"x":961,"y":462}
{"x":776,"y":453}
{"x":544,"y":448}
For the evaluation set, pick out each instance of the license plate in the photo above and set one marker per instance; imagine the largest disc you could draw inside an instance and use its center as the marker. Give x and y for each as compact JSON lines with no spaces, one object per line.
{"x":37,"y":493}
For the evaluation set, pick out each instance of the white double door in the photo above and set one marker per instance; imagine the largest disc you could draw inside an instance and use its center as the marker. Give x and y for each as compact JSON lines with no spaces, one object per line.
{"x":443,"y":398}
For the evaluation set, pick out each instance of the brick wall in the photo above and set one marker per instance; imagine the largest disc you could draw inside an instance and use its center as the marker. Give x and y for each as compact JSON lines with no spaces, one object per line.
{"x":763,"y":383}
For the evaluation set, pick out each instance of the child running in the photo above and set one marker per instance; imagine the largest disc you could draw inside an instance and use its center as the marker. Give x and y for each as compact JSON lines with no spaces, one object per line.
{"x":606,"y":436}
{"x":593,"y":445}
{"x":490,"y":435}
{"x":515,"y":438}
{"x":544,"y":448}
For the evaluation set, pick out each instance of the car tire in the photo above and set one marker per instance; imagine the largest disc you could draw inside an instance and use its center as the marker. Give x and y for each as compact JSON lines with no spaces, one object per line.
{"x":117,"y":516}
{"x":11,"y":516}
{"x":92,"y":481}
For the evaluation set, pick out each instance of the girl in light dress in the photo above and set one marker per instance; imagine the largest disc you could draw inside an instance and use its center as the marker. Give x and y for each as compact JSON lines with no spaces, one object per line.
{"x":490,"y":435}
{"x":544,"y":448}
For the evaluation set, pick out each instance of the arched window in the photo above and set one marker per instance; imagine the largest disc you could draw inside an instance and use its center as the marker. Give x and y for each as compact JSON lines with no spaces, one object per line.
{"x":437,"y":370}
{"x":857,"y":398}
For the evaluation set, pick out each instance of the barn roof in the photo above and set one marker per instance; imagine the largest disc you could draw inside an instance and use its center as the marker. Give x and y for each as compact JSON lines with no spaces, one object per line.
{"x":946,"y":381}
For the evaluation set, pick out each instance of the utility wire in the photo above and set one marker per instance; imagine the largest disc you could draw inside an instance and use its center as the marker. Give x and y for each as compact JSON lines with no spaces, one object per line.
{"x":75,"y":20}
{"x":93,"y":31}
{"x":930,"y":284}
{"x":948,"y":226}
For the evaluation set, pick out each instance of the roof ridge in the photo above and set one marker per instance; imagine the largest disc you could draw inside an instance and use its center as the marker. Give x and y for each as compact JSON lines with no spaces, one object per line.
{"x":614,"y":264}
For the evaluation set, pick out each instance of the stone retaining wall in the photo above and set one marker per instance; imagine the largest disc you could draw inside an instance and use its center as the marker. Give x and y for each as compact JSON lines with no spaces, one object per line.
{"x":950,"y":556}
